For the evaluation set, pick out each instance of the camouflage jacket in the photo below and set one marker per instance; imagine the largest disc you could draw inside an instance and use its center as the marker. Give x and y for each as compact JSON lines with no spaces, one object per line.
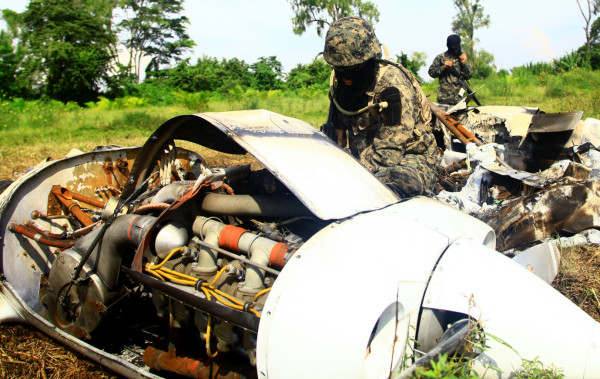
{"x":449,"y":85}
{"x":379,"y":144}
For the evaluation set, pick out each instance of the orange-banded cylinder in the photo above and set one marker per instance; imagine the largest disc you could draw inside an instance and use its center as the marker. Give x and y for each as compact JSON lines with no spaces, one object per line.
{"x":261,"y":250}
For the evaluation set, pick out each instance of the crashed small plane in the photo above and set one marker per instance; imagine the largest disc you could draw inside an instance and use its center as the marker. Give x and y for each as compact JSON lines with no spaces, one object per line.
{"x":535,"y":177}
{"x":154,"y":262}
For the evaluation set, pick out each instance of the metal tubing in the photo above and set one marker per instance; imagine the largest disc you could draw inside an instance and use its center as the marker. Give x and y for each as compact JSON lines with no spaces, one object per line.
{"x":88,"y":200}
{"x":32,"y":225}
{"x":172,"y":192}
{"x":63,"y":195}
{"x":125,"y":232}
{"x":167,"y":361}
{"x":203,"y":225}
{"x":152,"y":207}
{"x":27,"y":232}
{"x":248,"y":205}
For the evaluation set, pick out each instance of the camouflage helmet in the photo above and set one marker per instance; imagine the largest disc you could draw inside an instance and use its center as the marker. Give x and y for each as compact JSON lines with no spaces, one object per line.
{"x":350,"y":41}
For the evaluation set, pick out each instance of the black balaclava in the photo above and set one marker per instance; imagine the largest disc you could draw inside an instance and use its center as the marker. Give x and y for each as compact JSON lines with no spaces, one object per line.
{"x":453,"y":44}
{"x":353,"y":97}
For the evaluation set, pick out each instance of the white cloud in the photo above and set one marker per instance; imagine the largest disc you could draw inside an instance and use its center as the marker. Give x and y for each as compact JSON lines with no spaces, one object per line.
{"x":535,"y":44}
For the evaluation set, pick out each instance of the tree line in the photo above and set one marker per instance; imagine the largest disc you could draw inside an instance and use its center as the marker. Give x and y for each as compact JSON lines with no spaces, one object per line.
{"x":77,"y":50}
{"x":71,"y":50}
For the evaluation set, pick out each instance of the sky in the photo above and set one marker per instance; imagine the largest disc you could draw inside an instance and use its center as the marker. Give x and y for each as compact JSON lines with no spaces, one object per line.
{"x":521,"y":31}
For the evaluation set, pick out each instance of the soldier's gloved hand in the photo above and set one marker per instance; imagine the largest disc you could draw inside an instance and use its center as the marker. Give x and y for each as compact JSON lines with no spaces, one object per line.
{"x":329,"y":131}
{"x":342,"y":141}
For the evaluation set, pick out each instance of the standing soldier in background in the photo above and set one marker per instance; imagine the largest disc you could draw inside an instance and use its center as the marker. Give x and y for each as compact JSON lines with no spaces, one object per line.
{"x":379,"y":110}
{"x":451,"y":66}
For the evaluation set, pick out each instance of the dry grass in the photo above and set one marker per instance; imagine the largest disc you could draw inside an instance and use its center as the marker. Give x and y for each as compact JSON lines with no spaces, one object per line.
{"x":579,"y":277}
{"x":26,"y":353}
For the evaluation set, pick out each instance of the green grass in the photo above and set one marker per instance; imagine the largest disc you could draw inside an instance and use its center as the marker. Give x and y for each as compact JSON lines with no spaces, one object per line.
{"x":577,"y":89}
{"x":34,"y":130}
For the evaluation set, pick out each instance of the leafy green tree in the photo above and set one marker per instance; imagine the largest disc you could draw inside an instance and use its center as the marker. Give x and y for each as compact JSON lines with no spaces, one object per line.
{"x":316,"y":73}
{"x":594,"y":54}
{"x":587,"y":10}
{"x":414,"y":63}
{"x":469,"y":17}
{"x":236,"y":73}
{"x":591,"y":50}
{"x":10,"y":55}
{"x":267,"y":74}
{"x":8,"y":65}
{"x":156,"y":29}
{"x":324,"y":12}
{"x":66,"y":48}
{"x":484,"y":64}
{"x":208,"y":74}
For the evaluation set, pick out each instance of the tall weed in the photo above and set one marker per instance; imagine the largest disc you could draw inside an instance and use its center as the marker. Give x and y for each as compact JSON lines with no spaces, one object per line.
{"x":195,"y":101}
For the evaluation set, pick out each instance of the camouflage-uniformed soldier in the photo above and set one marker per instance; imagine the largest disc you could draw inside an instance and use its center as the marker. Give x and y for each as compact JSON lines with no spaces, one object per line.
{"x":449,"y":89}
{"x":381,"y":108}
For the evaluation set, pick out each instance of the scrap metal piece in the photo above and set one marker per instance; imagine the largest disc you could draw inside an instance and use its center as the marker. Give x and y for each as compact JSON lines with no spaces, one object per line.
{"x":547,"y":138}
{"x":554,"y":122}
{"x":569,"y":207}
{"x":542,"y":260}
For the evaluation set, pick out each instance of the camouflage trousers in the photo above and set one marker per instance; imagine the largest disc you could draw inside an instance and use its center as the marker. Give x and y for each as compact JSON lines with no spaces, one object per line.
{"x":412,"y":177}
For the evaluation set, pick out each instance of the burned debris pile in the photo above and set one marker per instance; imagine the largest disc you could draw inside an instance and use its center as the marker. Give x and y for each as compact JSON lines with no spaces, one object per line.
{"x":534,"y":177}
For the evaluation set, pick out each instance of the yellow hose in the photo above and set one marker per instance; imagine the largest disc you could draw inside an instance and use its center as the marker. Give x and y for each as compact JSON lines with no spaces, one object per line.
{"x":261,"y":293}
{"x":212,"y":283}
{"x":209,"y":291}
{"x":208,"y":352}
{"x":171,"y":253}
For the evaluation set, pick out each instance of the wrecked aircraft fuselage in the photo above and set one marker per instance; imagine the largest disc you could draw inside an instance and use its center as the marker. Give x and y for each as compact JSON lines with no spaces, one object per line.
{"x":153,"y":262}
{"x":535,"y":175}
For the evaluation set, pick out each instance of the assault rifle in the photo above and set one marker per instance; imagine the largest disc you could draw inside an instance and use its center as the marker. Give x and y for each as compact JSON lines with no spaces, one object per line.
{"x":464,"y":83}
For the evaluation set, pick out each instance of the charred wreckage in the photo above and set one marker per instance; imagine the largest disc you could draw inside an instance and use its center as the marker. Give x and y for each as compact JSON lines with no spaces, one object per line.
{"x":154,"y":262}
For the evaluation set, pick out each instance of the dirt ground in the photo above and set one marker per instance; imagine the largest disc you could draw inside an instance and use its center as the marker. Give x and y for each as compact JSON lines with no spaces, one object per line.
{"x":579,"y":277}
{"x":27,"y":353}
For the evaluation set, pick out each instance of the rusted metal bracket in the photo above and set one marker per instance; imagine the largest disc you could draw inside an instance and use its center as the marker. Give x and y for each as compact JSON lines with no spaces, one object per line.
{"x":66,"y":198}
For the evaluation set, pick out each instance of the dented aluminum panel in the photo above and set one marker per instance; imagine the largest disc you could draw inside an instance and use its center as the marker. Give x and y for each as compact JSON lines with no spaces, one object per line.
{"x":288,"y":148}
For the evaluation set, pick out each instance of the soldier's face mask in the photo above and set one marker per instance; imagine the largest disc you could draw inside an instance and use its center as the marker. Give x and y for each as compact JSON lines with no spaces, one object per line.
{"x":455,"y":50}
{"x":358,"y":74}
